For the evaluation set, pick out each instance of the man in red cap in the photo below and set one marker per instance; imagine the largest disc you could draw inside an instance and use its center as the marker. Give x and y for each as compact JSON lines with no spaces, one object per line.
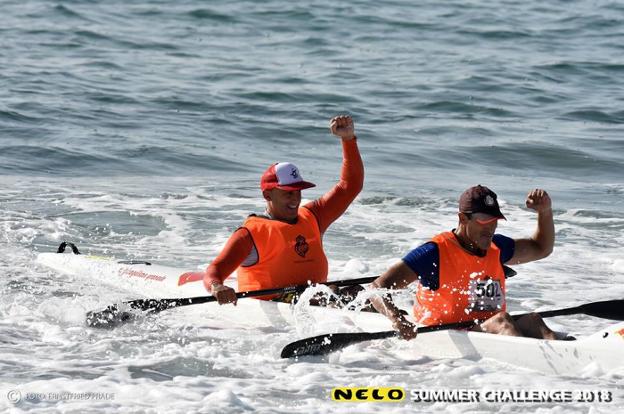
{"x":283,"y":246}
{"x":460,"y":272}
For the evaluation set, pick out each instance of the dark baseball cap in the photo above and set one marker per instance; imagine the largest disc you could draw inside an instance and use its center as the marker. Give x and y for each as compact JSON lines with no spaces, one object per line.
{"x":480,"y":199}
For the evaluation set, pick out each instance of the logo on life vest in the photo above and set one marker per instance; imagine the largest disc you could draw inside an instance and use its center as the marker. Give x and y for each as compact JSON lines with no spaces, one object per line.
{"x":301,"y":246}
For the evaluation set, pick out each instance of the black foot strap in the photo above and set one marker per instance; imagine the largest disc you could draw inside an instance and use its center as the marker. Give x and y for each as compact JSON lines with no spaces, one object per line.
{"x":62,"y":246}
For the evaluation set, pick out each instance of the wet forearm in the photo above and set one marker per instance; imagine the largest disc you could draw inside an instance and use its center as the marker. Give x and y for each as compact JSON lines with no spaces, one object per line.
{"x":234,"y":252}
{"x":334,"y":203}
{"x":352,"y":172}
{"x":544,"y":235}
{"x":386,"y":307}
{"x":397,"y":277}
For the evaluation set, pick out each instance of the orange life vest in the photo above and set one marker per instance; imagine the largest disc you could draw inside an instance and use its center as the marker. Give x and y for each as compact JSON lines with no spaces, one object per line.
{"x":471,"y":287}
{"x":288,"y":254}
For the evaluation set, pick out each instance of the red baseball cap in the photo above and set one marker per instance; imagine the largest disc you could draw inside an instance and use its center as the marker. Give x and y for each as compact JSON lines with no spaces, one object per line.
{"x":285,"y":176}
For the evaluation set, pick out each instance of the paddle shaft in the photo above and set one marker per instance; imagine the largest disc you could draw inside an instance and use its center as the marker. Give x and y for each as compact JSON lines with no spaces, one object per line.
{"x":324,"y":344}
{"x":607,"y":309}
{"x":112,"y":316}
{"x":162,"y":304}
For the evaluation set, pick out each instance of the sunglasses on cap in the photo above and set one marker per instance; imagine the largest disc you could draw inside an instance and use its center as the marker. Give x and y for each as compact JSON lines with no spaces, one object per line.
{"x":482,"y":218}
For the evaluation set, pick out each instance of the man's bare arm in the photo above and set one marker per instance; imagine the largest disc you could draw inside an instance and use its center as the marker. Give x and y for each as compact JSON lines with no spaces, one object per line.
{"x":541,"y":243}
{"x":397,"y":277}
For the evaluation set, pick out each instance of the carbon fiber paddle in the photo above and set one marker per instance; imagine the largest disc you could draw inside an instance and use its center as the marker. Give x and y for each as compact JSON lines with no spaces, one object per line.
{"x":325,"y":344}
{"x":112,"y":316}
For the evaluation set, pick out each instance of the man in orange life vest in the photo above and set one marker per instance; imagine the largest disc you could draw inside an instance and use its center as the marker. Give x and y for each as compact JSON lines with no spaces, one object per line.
{"x":460,"y":272}
{"x":284,"y":246}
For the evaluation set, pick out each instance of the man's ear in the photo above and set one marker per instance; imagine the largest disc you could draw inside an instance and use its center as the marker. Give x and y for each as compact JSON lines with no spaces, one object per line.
{"x":267,"y":195}
{"x":463,"y":218}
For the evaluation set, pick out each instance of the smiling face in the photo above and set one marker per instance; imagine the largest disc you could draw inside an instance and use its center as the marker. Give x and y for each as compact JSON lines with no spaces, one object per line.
{"x":478,"y":229}
{"x":282,"y":204}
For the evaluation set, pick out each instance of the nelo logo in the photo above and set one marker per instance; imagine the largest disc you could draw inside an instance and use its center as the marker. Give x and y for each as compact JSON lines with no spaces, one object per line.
{"x":368,"y":394}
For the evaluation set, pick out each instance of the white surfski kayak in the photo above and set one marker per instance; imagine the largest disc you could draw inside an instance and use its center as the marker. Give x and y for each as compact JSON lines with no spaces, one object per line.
{"x":146,"y":280}
{"x":604,"y":349}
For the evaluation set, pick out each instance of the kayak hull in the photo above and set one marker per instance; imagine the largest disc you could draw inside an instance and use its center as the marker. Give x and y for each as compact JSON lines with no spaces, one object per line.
{"x":164,"y":282}
{"x":605,"y":349}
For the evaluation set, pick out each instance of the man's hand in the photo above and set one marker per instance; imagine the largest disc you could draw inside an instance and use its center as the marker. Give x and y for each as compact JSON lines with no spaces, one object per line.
{"x":406,"y":329}
{"x":342,"y":126}
{"x":224,"y":294}
{"x":538,"y":200}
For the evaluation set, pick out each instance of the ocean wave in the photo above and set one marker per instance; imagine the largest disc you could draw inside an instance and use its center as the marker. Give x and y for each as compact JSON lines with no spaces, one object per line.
{"x":534,"y":155}
{"x":595,"y":116}
{"x":464,"y":108}
{"x":208,"y":14}
{"x":66,"y":11}
{"x":14,"y":116}
{"x":494,"y":34}
{"x":86,"y":161}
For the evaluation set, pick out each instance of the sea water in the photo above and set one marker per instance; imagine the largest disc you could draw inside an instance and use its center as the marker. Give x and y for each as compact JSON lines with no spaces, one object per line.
{"x":140,"y":129}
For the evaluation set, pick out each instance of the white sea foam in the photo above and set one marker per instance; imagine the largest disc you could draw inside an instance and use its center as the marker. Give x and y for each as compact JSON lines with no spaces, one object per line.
{"x":191,"y":359}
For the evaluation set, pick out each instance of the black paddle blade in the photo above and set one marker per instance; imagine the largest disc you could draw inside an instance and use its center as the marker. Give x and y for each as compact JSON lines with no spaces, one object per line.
{"x":108,"y":318}
{"x":157,"y":305}
{"x":325,"y":344}
{"x":608,"y":309}
{"x":112,"y":317}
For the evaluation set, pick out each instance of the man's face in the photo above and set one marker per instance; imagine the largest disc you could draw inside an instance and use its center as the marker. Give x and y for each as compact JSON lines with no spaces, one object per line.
{"x":480,"y":228}
{"x":283,"y":205}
